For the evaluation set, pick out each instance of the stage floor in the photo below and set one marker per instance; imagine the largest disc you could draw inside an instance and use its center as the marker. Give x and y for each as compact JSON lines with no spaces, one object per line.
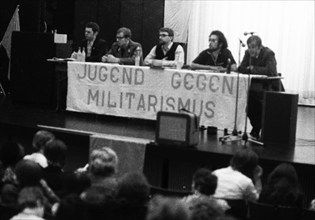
{"x":19,"y":115}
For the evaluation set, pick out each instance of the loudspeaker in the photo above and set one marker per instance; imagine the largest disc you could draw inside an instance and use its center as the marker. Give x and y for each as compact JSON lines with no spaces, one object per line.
{"x":279,"y":118}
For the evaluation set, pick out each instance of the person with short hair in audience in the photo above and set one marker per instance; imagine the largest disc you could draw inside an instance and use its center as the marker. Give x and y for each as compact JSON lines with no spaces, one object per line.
{"x":93,"y":46}
{"x":166,"y":53}
{"x":55,"y":152}
{"x":132,"y":196}
{"x":31,"y":201}
{"x":237,"y":181}
{"x":217,"y":57}
{"x":100,"y":203}
{"x":204,"y":185}
{"x":39,"y":140}
{"x":164,"y":208}
{"x":124,"y":50}
{"x":283,"y":187}
{"x":102,"y":168}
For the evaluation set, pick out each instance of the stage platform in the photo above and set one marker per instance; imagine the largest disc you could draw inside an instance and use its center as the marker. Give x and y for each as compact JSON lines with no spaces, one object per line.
{"x":164,"y":166}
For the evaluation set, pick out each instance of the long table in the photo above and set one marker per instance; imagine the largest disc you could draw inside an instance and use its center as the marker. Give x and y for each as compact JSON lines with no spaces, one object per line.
{"x":140,"y":92}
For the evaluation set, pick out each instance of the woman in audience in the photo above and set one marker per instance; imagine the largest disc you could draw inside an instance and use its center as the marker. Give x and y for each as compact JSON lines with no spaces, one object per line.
{"x":204,"y":185}
{"x":39,"y":141}
{"x":282,"y":187}
{"x":237,"y":181}
{"x":163,"y":208}
{"x":132,"y":197}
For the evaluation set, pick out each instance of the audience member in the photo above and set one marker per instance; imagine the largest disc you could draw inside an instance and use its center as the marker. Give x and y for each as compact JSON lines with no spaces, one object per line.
{"x":28,"y":174}
{"x":237,"y":180}
{"x":102,"y":167}
{"x":55,"y":152}
{"x":163,"y":208}
{"x":31,"y":201}
{"x":258,"y":60}
{"x":124,"y":50}
{"x":204,"y":185}
{"x":166,"y":53}
{"x":100,"y":203}
{"x":10,"y":154}
{"x":217,"y":57}
{"x":206,"y":209}
{"x":39,"y":140}
{"x":93,"y":46}
{"x":132,"y":197}
{"x":282,"y":187}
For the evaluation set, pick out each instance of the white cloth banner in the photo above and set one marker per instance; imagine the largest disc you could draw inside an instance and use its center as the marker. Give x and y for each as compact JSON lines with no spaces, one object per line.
{"x":140,"y":92}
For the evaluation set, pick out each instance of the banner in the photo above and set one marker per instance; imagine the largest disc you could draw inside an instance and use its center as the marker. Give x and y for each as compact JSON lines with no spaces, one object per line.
{"x":140,"y":92}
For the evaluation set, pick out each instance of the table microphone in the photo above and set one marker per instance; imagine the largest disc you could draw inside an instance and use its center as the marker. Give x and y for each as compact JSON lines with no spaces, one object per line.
{"x":247,"y":33}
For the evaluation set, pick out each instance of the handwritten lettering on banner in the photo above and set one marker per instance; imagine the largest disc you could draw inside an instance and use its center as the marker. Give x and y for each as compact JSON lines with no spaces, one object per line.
{"x":141,"y":92}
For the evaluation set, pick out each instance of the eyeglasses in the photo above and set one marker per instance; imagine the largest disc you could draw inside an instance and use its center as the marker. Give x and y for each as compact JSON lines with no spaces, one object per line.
{"x":119,"y":38}
{"x":213,"y":40}
{"x":163,"y":35}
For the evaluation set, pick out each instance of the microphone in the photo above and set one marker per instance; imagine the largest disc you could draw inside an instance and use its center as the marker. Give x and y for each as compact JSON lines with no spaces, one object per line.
{"x":247,"y":33}
{"x":242,"y":44}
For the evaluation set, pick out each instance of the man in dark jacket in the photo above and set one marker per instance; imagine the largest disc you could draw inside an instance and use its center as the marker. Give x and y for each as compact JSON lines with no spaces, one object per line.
{"x":258,"y":60}
{"x":124,"y":50}
{"x":93,"y":46}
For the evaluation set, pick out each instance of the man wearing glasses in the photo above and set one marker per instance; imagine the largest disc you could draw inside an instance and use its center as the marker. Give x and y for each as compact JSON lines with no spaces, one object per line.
{"x":166,"y":53}
{"x":217,"y":57}
{"x":124,"y":50}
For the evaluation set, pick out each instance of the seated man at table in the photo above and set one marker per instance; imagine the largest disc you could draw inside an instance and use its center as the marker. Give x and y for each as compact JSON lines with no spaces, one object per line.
{"x":217,"y":57}
{"x":166,"y":53}
{"x":124,"y":50}
{"x":93,"y":46}
{"x":258,"y":60}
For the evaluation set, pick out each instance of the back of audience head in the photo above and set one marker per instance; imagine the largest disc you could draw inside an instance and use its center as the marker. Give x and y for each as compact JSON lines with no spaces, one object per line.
{"x":206,"y":209}
{"x":55,"y":152}
{"x":204,"y":181}
{"x":103,"y":162}
{"x":133,"y":189}
{"x":163,"y":208}
{"x":40,"y":138}
{"x":99,"y":202}
{"x":11,"y":153}
{"x":32,"y":198}
{"x":28,"y":173}
{"x":284,"y":175}
{"x":245,"y":161}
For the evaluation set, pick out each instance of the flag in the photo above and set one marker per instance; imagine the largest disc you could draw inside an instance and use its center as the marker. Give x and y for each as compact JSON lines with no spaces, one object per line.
{"x":14,"y":25}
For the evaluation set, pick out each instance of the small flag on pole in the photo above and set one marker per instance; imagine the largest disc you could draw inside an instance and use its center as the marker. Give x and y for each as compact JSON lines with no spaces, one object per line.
{"x":14,"y":25}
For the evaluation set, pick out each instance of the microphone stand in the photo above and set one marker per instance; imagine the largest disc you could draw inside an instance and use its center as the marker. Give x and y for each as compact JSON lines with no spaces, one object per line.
{"x":245,"y":137}
{"x":226,"y":135}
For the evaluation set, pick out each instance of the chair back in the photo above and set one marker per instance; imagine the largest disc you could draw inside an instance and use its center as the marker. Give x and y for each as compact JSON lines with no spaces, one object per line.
{"x":238,"y":208}
{"x":307,"y":215}
{"x":260,"y":211}
{"x":154,"y":190}
{"x":7,"y":211}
